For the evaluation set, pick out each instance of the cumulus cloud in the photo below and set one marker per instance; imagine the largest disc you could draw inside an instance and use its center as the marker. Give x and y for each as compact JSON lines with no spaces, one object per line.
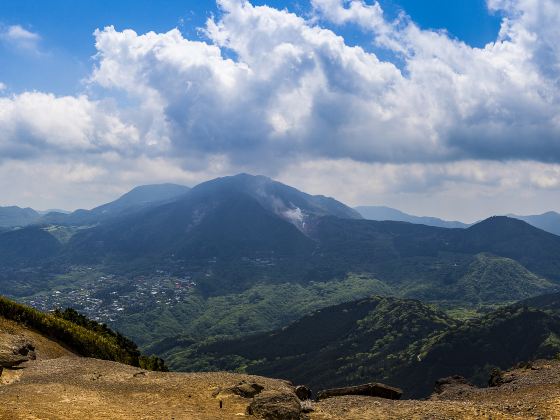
{"x":269,"y":91}
{"x":295,"y":89}
{"x":496,"y":102}
{"x":38,"y":124}
{"x":18,"y":37}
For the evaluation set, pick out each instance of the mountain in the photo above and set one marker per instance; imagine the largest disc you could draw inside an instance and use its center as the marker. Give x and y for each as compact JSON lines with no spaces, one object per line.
{"x":535,"y":249}
{"x":305,"y":238}
{"x":549,"y":221}
{"x":139,"y":198}
{"x":403,"y":343}
{"x":220,"y":257}
{"x":381,"y":213}
{"x":232,"y":221}
{"x":286,"y":202}
{"x":329,"y":340}
{"x":229,"y":241}
{"x":16,"y":216}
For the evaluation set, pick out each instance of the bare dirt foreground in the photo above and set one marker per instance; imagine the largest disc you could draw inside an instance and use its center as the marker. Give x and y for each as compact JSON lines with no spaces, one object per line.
{"x":59,"y":385}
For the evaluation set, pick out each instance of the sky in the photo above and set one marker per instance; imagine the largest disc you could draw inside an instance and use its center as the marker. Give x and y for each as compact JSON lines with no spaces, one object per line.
{"x":443,"y":108}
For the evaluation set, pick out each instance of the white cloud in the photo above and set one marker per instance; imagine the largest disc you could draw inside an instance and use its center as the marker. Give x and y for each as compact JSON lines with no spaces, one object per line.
{"x":273,"y":92}
{"x":20,"y":38}
{"x":39,"y":124}
{"x":496,"y":102}
{"x":468,"y":190}
{"x":297,"y":90}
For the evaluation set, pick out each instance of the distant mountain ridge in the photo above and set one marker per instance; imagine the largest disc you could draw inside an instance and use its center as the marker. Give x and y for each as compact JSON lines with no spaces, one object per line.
{"x":549,"y":221}
{"x":381,"y":213}
{"x":260,"y":188}
{"x":14,"y":216}
{"x":137,"y":199}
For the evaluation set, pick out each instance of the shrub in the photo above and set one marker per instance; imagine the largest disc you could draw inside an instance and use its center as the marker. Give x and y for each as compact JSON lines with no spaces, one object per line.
{"x":80,"y":334}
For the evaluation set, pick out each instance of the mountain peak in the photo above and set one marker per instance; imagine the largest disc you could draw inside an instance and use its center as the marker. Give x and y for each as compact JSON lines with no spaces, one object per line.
{"x":501,"y":221}
{"x":12,"y":216}
{"x":283,"y":200}
{"x":152,"y":193}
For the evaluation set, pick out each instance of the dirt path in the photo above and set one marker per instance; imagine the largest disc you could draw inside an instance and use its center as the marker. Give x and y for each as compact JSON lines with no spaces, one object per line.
{"x":77,"y":388}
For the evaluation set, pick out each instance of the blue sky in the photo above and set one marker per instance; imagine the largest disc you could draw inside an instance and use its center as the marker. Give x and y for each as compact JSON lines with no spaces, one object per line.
{"x":436,"y":107}
{"x":67,"y":45}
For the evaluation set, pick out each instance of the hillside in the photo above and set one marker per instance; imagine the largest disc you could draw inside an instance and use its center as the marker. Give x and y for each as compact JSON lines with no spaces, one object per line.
{"x":78,"y":334}
{"x":546,"y":302}
{"x":264,"y":307}
{"x":27,"y":247}
{"x":13,"y":216}
{"x":400,"y":342}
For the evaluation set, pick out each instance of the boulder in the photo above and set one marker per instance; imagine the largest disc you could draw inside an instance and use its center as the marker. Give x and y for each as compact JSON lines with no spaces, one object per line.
{"x":15,"y":350}
{"x":454,"y":381}
{"x":497,"y":378}
{"x":369,"y":390}
{"x":275,"y":406}
{"x":303,"y":392}
{"x":243,"y":389}
{"x":246,"y":389}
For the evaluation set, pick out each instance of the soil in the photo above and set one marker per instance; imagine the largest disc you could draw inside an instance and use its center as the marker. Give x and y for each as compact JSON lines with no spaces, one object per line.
{"x":61,"y":385}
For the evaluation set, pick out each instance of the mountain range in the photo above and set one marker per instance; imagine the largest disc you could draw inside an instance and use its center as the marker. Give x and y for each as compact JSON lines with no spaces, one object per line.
{"x":235,"y":221}
{"x":549,"y":221}
{"x":400,"y":342}
{"x":381,"y":213}
{"x":150,"y":195}
{"x":177,"y":269}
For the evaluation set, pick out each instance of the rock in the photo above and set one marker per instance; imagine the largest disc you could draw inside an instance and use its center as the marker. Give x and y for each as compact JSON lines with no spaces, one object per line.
{"x":247,"y":390}
{"x":15,"y":350}
{"x":370,"y":390}
{"x":496,"y":378}
{"x":303,"y":392}
{"x":243,"y":389}
{"x":275,"y":406}
{"x":444,"y":384}
{"x":307,"y":406}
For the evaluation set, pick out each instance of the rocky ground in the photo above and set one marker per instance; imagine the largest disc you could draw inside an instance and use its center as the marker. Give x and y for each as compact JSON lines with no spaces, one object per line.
{"x":55,"y":384}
